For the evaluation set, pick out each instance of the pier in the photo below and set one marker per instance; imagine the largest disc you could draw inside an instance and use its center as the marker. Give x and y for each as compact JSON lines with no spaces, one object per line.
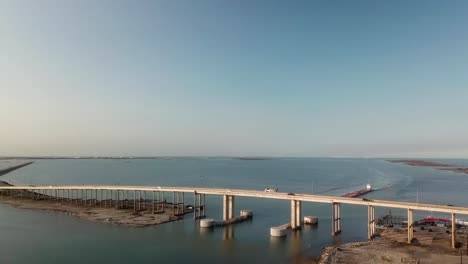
{"x":10,"y":169}
{"x":118,"y":197}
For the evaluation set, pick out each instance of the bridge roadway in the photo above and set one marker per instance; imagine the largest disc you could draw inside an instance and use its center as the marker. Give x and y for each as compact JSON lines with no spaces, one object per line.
{"x":295,"y":199}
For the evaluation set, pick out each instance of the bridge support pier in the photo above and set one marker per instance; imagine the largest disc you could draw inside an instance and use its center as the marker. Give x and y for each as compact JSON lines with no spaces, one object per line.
{"x":228,"y":207}
{"x":336,"y":219}
{"x":370,"y":222}
{"x":198,"y":210}
{"x":454,"y":232}
{"x":296,"y":214}
{"x":410,"y":226}
{"x":117,"y":205}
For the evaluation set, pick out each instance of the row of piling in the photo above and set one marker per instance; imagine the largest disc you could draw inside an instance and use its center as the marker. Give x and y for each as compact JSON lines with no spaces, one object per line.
{"x":119,"y":199}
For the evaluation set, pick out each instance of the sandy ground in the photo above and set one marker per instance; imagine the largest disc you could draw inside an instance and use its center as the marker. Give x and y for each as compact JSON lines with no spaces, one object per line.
{"x":108,"y":215}
{"x":428,"y":247}
{"x":385,"y":251}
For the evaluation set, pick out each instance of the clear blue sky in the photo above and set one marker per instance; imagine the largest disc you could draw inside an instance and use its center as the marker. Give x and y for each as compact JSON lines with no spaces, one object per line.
{"x":290,"y":78}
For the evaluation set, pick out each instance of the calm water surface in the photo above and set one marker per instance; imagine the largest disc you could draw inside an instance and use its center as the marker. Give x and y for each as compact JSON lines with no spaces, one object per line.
{"x":30,"y":236}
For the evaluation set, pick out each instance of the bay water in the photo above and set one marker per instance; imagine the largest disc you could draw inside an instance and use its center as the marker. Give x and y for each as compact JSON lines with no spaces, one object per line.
{"x":37,"y":236}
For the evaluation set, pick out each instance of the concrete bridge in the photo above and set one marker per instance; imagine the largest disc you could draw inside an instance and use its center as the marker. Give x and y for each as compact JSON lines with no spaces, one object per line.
{"x":119,"y":193}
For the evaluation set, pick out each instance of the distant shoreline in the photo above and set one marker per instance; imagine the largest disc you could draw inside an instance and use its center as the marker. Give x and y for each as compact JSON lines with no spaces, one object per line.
{"x":129,"y":157}
{"x":430,"y":164}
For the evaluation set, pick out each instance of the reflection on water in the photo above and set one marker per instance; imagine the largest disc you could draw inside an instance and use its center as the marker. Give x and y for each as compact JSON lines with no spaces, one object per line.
{"x":309,"y":227}
{"x":228,"y":232}
{"x":296,"y":242}
{"x":206,"y":231}
{"x":276,"y":242}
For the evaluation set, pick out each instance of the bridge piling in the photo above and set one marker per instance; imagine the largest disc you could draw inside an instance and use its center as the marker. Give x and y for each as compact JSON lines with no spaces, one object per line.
{"x":195,"y":205}
{"x":228,"y":207}
{"x":231,"y":207}
{"x":225,"y":207}
{"x":370,"y":222}
{"x":134,"y":201}
{"x":410,"y":226}
{"x":199,"y":206}
{"x":336,"y":219}
{"x":204,"y":206}
{"x":152,"y":205}
{"x":117,"y":205}
{"x":293,"y":215}
{"x":298,"y":214}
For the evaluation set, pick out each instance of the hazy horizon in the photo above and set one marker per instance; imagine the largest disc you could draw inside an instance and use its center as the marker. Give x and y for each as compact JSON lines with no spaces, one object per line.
{"x":243,"y":78}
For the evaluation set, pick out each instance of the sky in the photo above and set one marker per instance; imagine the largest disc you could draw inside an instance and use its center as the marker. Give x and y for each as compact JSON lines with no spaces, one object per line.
{"x":234,"y":78}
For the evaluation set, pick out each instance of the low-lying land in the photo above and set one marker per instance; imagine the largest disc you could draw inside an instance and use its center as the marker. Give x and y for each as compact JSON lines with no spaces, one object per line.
{"x":435,"y":165}
{"x":124,"y":217}
{"x":431,"y":245}
{"x":96,"y":211}
{"x":384,"y":251}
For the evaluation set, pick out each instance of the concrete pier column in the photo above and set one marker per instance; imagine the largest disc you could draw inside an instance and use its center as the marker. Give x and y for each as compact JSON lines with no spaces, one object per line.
{"x":228,"y":207}
{"x":173,"y":203}
{"x":231,"y":207}
{"x":126,"y":199}
{"x":195,"y":205}
{"x":225,"y":207}
{"x":152,"y":207}
{"x":333,"y":232}
{"x":117,"y":205}
{"x":293,"y":215}
{"x":183,"y":204}
{"x":454,"y":232}
{"x":139,"y":200}
{"x":410,"y":226}
{"x":298,"y":214}
{"x":199,"y":205}
{"x":370,"y":222}
{"x":336,"y":219}
{"x":204,"y":206}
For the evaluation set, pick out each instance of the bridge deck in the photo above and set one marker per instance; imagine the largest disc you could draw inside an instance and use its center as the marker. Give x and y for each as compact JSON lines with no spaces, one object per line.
{"x":258,"y":194}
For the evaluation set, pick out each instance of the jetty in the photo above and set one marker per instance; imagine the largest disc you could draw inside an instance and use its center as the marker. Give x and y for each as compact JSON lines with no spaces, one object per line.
{"x":10,"y":169}
{"x":115,"y":195}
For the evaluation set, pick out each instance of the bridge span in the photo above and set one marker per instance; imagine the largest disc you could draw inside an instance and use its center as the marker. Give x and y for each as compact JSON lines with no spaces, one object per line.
{"x":81,"y":192}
